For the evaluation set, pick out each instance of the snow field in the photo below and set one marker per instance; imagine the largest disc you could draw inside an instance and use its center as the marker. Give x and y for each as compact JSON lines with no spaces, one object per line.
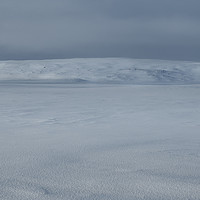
{"x":94,"y":142}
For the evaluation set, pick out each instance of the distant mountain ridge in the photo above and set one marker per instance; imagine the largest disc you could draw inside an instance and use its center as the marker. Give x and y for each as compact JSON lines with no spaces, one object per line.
{"x":101,"y":70}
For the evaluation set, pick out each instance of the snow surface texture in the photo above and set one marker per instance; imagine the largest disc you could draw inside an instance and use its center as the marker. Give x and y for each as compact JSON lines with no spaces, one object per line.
{"x":98,"y":141}
{"x":110,"y":70}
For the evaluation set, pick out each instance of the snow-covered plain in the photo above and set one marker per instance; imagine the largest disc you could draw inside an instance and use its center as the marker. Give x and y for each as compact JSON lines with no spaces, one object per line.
{"x":99,"y":129}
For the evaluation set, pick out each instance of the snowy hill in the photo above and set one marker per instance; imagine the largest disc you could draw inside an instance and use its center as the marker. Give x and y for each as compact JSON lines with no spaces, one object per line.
{"x":102,"y":70}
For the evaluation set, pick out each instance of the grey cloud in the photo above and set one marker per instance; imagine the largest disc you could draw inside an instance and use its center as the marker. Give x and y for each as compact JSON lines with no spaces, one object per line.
{"x":92,"y":28}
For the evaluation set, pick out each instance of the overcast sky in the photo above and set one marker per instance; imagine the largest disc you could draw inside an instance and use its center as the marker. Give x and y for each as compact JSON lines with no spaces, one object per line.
{"x":41,"y":29}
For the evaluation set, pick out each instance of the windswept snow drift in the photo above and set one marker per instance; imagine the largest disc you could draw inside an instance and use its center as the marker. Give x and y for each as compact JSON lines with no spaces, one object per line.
{"x":97,"y":70}
{"x":59,"y":142}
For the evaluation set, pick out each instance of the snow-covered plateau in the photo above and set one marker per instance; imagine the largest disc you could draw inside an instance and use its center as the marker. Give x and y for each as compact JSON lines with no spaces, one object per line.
{"x":107,"y":70}
{"x":99,"y":129}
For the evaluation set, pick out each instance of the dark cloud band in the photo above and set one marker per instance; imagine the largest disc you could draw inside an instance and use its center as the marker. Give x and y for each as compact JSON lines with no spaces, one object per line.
{"x":91,"y":28}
